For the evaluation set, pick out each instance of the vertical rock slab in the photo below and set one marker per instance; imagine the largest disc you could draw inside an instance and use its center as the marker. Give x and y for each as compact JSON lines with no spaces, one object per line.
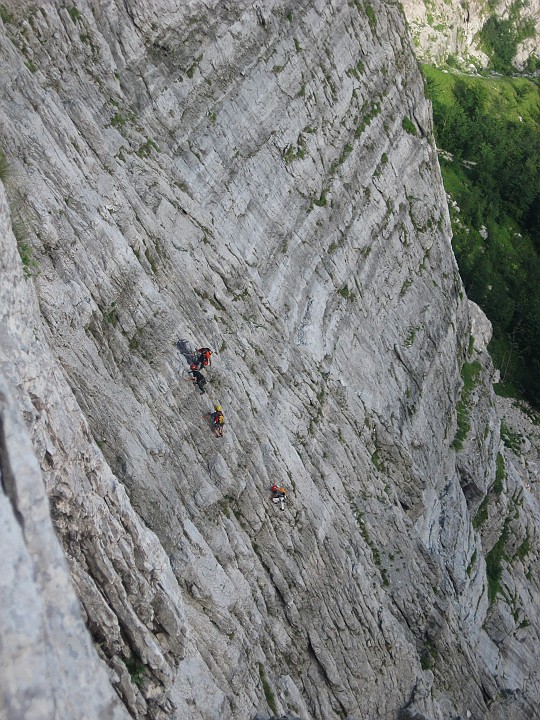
{"x":49,"y":664}
{"x":129,"y":596}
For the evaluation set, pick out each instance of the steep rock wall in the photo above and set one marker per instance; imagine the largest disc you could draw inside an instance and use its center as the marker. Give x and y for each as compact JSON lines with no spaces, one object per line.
{"x":50,"y":668}
{"x":263,"y":180}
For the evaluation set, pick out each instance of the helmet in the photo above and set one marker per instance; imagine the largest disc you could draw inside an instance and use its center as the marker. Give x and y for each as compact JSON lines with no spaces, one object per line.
{"x":217,"y":407}
{"x":193,"y":367}
{"x":274,"y":487}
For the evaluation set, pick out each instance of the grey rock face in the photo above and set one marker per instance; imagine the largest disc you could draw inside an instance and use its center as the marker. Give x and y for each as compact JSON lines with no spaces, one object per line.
{"x":481,"y":328}
{"x":129,"y":596}
{"x":50,"y":668}
{"x":262,"y":179}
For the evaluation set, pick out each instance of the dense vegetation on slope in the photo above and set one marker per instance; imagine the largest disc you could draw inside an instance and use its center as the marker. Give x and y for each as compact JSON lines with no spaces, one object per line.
{"x":489,"y":135}
{"x":500,"y":38}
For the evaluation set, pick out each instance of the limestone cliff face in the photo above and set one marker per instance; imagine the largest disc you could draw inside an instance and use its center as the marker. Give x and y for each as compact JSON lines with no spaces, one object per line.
{"x":120,"y":571}
{"x":260,"y":178}
{"x":50,"y":668}
{"x":452,"y":27}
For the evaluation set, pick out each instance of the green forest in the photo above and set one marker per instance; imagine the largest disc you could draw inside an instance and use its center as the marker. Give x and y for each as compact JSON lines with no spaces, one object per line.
{"x":488,"y":135}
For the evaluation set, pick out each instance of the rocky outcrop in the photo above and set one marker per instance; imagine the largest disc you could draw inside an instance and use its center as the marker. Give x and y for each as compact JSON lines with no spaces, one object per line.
{"x":260,"y":178}
{"x":451,"y":30}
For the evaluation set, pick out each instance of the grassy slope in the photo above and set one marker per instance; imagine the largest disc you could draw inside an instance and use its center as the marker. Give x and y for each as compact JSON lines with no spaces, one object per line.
{"x":508,"y":97}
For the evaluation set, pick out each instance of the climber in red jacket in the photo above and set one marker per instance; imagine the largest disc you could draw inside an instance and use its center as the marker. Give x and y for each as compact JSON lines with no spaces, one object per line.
{"x":203,"y":357}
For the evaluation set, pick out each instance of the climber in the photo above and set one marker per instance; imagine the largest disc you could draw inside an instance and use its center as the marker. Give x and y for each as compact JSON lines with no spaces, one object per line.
{"x":197,"y":378}
{"x":279,"y":495}
{"x":203,"y":358}
{"x":218,"y":420}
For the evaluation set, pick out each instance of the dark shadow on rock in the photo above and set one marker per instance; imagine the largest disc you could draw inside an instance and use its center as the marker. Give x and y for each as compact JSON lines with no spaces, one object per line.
{"x":187,"y":350}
